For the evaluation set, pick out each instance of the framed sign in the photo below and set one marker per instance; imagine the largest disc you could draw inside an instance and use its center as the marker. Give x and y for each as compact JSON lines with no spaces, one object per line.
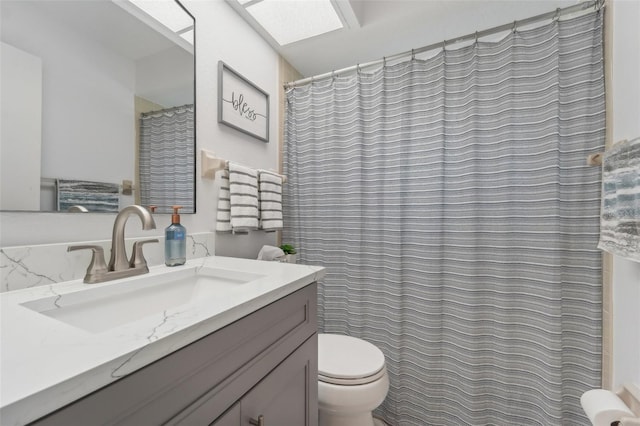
{"x":241,"y":104}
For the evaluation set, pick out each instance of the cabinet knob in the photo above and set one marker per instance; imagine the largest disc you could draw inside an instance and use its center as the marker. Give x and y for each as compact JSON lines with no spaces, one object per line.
{"x":259,"y":422}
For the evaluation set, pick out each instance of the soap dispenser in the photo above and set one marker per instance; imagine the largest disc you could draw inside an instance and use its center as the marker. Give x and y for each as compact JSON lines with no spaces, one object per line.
{"x":175,"y":247}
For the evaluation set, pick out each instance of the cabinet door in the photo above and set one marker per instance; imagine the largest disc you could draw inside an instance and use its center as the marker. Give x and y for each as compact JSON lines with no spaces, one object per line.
{"x":230,"y":418}
{"x":289,"y":394}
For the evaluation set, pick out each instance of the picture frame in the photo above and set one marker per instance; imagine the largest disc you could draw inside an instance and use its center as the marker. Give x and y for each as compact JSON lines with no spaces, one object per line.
{"x":241,"y":104}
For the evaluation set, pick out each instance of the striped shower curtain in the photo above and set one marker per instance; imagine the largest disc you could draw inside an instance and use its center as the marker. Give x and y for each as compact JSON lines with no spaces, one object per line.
{"x":167,"y":159}
{"x":450,"y":201}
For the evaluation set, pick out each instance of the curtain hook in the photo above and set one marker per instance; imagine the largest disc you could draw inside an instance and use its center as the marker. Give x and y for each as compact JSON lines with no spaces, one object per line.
{"x":384,"y":62}
{"x":333,"y":75}
{"x":556,"y":17}
{"x":413,"y":54}
{"x":444,"y":45}
{"x":514,"y":28}
{"x":358,"y":69}
{"x":476,"y":42}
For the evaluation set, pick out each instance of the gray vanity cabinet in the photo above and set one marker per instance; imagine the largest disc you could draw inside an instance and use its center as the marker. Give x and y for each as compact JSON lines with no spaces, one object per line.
{"x":264,"y":364}
{"x":281,"y":398}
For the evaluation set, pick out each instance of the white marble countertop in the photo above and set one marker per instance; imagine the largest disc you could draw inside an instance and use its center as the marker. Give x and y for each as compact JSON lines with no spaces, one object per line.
{"x":46,"y":363}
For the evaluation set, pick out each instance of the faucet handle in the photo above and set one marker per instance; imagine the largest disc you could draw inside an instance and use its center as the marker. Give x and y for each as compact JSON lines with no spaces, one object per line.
{"x":137,"y":258}
{"x":97,"y":267}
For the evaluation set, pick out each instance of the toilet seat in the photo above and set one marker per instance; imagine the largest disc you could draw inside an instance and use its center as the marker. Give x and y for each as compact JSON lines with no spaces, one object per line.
{"x":346,"y":360}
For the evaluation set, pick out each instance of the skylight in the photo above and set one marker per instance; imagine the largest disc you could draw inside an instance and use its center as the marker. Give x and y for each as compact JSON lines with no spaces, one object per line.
{"x":288,"y":21}
{"x":169,"y":14}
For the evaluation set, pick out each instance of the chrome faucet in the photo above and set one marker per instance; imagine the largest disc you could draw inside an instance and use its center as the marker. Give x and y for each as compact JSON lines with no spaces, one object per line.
{"x":119,"y":266}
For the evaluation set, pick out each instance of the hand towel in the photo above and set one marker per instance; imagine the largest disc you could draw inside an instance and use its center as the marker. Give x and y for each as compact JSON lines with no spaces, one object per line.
{"x":243,"y":191}
{"x":223,"y":217}
{"x":270,"y":201}
{"x":620,"y":215}
{"x":270,"y":253}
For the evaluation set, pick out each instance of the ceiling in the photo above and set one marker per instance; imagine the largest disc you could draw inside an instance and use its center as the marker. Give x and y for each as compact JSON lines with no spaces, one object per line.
{"x":104,"y":22}
{"x":388,"y":27}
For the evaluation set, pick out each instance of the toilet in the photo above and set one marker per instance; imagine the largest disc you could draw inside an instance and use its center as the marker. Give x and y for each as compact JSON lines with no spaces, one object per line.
{"x":352,"y":381}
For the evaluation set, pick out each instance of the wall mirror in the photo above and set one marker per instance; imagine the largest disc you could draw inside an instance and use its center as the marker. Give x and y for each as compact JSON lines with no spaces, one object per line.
{"x":97,"y":105}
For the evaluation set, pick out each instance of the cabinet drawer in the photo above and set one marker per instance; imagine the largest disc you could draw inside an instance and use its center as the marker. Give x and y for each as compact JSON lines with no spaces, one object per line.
{"x":286,"y":392}
{"x":288,"y":395}
{"x":157,"y":392}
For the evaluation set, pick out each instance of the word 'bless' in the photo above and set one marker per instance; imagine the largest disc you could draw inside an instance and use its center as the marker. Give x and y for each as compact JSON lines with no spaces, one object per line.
{"x":242,"y":107}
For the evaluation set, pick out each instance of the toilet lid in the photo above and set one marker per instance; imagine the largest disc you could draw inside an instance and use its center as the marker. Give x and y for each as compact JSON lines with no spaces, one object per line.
{"x":348,"y":360}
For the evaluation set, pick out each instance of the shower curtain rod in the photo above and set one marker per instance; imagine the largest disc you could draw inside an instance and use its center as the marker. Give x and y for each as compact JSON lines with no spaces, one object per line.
{"x":167,"y":110}
{"x":596,"y":4}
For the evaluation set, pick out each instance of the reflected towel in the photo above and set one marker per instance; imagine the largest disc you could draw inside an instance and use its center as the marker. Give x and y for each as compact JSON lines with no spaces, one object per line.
{"x":94,"y":196}
{"x":270,"y":201}
{"x":620,"y":215}
{"x":243,"y":191}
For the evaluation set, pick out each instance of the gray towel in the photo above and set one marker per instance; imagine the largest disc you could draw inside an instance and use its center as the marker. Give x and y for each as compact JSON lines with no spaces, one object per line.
{"x":620,"y":215}
{"x":94,"y":196}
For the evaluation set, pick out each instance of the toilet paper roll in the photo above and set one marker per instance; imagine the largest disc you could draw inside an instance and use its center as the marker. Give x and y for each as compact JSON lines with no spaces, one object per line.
{"x":603,"y":407}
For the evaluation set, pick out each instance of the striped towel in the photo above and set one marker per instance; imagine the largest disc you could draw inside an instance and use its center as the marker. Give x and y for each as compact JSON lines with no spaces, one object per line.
{"x":620,"y":215}
{"x":94,"y":196}
{"x":243,"y":191}
{"x":223,"y":218}
{"x":270,"y":201}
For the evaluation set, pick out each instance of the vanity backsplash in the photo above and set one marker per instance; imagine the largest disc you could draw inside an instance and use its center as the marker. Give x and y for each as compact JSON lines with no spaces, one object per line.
{"x":31,"y":266}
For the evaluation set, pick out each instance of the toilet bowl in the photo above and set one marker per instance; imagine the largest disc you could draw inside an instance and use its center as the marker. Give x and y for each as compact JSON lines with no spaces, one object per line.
{"x":352,"y":380}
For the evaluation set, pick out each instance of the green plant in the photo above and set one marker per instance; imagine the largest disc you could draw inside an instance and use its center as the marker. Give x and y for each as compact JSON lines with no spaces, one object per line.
{"x":288,"y":249}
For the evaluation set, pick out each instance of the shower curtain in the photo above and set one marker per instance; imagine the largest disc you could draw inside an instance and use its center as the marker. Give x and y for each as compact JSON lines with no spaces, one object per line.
{"x":450,"y":201}
{"x":167,"y":159}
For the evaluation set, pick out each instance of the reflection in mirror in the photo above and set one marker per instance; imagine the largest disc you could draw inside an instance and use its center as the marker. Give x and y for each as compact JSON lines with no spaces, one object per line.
{"x":97,"y":105}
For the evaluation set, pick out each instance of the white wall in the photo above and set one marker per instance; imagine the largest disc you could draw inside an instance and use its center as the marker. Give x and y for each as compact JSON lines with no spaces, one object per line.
{"x":166,"y":78}
{"x":626,"y":125}
{"x":220,"y":35}
{"x":21,"y":129}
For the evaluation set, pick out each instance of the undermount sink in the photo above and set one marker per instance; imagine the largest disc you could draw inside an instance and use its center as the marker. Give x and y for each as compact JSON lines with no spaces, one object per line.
{"x":101,"y":308}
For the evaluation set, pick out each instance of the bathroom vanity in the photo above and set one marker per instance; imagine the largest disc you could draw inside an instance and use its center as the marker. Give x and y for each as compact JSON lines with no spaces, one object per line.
{"x":245,"y":353}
